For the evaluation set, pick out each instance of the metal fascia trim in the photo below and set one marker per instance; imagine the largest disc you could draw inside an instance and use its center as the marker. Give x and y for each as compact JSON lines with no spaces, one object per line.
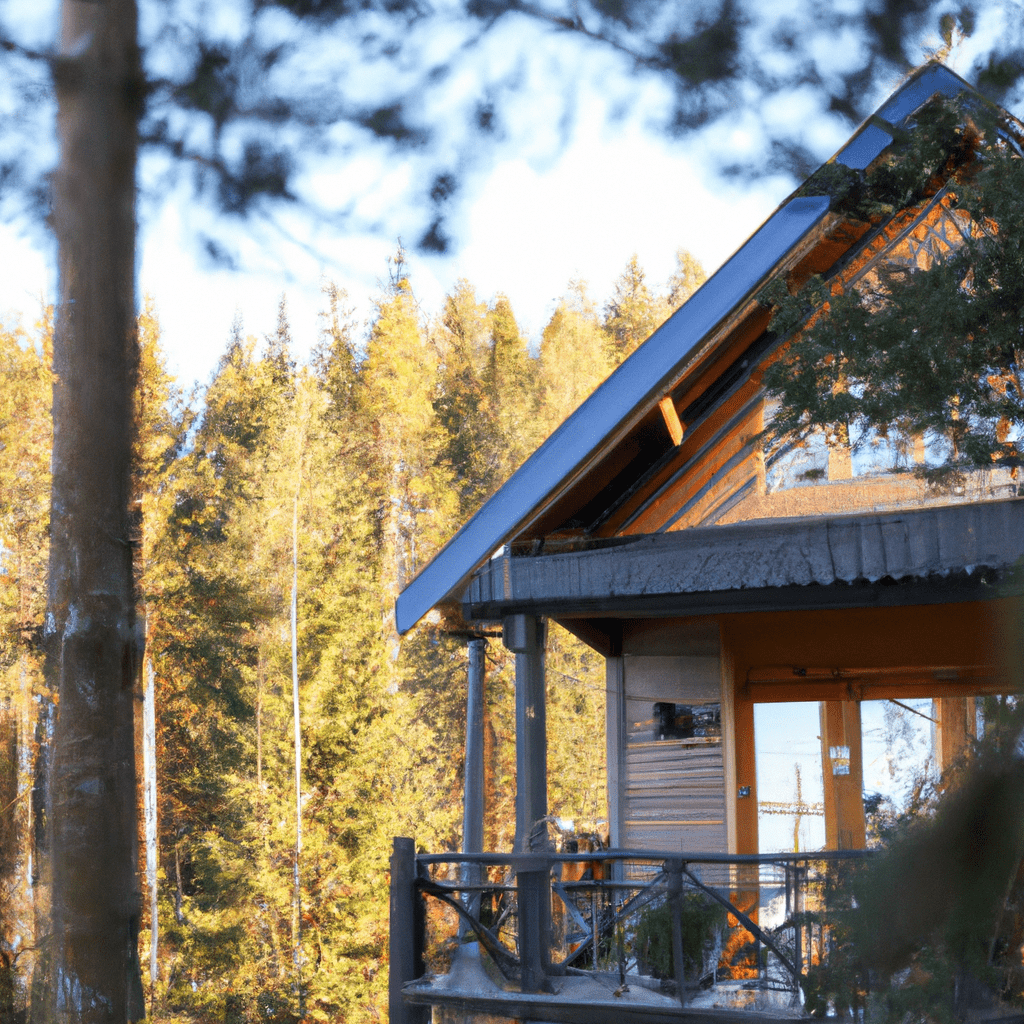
{"x":872,"y":139}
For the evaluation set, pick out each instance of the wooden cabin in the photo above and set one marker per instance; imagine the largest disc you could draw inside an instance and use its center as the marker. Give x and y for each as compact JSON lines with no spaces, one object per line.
{"x":712,"y":577}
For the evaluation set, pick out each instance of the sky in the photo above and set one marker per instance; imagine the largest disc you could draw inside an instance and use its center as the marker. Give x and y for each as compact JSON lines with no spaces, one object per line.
{"x":552,"y":204}
{"x":896,"y":744}
{"x":530,"y":227}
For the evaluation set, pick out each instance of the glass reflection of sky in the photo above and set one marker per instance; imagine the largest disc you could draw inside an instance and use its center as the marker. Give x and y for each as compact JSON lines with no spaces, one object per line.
{"x":897,"y":747}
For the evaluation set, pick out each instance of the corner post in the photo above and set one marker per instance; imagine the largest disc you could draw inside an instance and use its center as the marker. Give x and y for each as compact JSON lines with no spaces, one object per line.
{"x":842,"y":768}
{"x":473,"y":801}
{"x":674,"y":876}
{"x":405,"y":934}
{"x":525,"y":635}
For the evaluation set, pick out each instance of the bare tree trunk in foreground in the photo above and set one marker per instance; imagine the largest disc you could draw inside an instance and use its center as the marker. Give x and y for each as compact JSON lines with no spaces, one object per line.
{"x":92,"y":971}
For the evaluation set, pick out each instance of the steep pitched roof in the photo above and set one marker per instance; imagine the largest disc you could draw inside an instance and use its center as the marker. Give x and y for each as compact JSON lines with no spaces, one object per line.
{"x":624,"y":442}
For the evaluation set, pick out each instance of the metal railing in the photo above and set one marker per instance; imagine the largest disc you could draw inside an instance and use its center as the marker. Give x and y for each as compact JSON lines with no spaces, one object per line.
{"x":676,"y":922}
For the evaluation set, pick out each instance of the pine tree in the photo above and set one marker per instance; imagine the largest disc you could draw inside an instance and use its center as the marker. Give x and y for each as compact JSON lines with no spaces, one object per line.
{"x":575,"y":357}
{"x":214,"y":620}
{"x":395,"y":397}
{"x":160,"y":421}
{"x":279,"y":349}
{"x":577,"y":787}
{"x":25,"y":438}
{"x":632,"y":314}
{"x":510,"y":391}
{"x":462,"y":342}
{"x":687,"y":277}
{"x":927,"y":351}
{"x":334,"y":356}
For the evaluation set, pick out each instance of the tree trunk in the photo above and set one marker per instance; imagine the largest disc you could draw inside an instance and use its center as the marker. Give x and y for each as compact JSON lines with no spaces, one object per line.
{"x":93,"y":651}
{"x":9,"y":937}
{"x":152,"y":835}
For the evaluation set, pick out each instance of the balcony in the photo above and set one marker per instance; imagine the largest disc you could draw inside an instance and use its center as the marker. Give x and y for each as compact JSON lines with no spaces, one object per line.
{"x":607,"y":935}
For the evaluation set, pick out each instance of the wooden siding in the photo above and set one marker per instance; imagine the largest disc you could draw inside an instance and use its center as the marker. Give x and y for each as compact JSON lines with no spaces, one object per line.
{"x":673,"y":790}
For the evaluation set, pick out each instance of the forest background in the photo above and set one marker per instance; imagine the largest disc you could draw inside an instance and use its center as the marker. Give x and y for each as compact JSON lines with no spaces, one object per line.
{"x":338,"y":477}
{"x":177,"y":97}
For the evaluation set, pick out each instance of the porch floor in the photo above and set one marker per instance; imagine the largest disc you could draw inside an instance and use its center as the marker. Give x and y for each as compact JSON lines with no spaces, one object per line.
{"x":468,"y":995}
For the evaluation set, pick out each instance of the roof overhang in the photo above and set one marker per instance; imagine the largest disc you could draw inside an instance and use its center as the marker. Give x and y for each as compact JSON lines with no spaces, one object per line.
{"x":588,"y":438}
{"x":608,"y":413}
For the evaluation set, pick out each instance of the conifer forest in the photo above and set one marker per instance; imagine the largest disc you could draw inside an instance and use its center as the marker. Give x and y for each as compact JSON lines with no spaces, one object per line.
{"x":284,"y":731}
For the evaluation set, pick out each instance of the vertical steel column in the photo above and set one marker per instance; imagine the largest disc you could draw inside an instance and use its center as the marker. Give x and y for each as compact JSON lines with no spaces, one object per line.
{"x":525,"y":635}
{"x":473,"y":800}
{"x":674,"y":878}
{"x":405,"y":934}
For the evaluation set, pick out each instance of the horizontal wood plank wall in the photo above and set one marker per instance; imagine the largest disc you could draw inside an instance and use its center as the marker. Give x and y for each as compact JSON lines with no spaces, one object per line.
{"x":674,"y":789}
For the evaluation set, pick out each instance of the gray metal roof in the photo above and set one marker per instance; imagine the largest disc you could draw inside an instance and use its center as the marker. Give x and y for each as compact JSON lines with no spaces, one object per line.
{"x":631,"y":391}
{"x":922,"y":544}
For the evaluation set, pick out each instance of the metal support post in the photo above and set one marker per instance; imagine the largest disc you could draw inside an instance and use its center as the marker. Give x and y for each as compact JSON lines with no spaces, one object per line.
{"x":473,"y":800}
{"x":674,"y":877}
{"x":533,"y":899}
{"x":406,"y":934}
{"x":525,"y":635}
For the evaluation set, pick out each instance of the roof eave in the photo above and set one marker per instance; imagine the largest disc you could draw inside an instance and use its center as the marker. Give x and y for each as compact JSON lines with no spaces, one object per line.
{"x":628,"y":393}
{"x":609,"y":411}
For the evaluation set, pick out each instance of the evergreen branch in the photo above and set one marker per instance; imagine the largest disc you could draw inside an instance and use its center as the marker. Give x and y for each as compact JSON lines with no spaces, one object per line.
{"x":10,"y":46}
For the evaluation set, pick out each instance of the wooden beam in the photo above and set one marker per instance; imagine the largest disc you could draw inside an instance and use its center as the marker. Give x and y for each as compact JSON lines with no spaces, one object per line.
{"x":911,"y":674}
{"x":745,"y":776}
{"x":895,"y":688}
{"x":843,"y":773}
{"x":954,"y":729}
{"x":673,"y":424}
{"x":615,"y":741}
{"x":729,"y":760}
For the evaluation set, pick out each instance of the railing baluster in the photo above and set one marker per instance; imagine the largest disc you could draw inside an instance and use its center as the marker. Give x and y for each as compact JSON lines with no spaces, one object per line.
{"x":406,"y":934}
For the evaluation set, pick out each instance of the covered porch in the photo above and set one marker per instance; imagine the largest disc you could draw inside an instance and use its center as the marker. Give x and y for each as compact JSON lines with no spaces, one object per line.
{"x":697,"y":628}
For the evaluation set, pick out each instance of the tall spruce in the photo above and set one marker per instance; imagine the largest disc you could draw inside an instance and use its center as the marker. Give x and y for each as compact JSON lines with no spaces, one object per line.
{"x":575,"y":356}
{"x":395,"y":397}
{"x":25,"y":441}
{"x":160,"y":420}
{"x":460,"y":404}
{"x":510,"y":391}
{"x":686,"y":278}
{"x":632,"y":313}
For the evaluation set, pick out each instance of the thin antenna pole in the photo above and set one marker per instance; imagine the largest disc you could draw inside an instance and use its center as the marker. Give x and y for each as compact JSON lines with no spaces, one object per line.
{"x":297,"y":952}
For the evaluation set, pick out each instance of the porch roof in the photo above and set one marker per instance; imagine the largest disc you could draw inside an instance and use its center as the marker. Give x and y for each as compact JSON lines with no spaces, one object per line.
{"x":571,"y":477}
{"x":962,"y":550}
